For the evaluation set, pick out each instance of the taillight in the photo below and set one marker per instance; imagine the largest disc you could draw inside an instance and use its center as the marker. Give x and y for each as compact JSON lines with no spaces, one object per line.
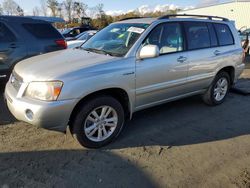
{"x":61,"y":43}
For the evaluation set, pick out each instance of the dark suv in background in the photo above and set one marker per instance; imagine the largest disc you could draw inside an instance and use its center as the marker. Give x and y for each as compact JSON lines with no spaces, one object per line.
{"x":23,"y":37}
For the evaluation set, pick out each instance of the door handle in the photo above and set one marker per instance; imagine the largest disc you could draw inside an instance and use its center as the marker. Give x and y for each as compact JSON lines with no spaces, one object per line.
{"x":217,"y":52}
{"x":13,"y":46}
{"x":182,"y":59}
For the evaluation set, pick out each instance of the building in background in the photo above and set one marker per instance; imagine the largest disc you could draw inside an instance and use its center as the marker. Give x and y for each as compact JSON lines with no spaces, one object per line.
{"x":238,"y":10}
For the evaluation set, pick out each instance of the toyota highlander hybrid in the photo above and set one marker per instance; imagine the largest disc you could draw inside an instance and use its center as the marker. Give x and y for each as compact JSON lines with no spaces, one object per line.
{"x":128,"y":66}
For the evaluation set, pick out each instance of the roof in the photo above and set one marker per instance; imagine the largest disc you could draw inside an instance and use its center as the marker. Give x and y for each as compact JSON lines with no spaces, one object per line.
{"x":140,"y":20}
{"x":48,"y":19}
{"x":31,"y":19}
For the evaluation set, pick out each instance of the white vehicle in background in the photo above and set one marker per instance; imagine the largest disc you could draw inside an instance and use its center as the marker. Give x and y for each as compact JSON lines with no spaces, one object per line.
{"x":81,"y":38}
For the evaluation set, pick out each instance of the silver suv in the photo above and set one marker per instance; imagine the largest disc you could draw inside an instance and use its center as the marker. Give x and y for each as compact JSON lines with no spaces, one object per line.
{"x":128,"y":66}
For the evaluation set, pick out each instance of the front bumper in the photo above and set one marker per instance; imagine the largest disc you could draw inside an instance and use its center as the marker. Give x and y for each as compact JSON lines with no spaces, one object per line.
{"x":48,"y":115}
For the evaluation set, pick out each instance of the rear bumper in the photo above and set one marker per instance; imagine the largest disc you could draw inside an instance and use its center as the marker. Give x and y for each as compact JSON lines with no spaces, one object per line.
{"x":48,"y":115}
{"x":238,"y":71}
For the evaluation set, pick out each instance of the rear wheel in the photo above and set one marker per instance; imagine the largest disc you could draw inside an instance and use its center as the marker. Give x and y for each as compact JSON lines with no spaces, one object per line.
{"x":98,"y":122}
{"x":217,"y":92}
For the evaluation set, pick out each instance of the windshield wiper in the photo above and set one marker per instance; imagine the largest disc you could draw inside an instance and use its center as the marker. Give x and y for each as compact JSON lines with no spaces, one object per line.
{"x":100,"y":51}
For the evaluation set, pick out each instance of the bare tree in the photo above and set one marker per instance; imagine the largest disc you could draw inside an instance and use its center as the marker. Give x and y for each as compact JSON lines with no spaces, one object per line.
{"x":80,"y":9}
{"x":69,"y":5}
{"x":53,"y":6}
{"x":36,"y":11}
{"x":44,"y":8}
{"x":100,"y":11}
{"x":1,"y":10}
{"x":20,"y":11}
{"x":60,"y":10}
{"x":92,"y":12}
{"x":10,"y":7}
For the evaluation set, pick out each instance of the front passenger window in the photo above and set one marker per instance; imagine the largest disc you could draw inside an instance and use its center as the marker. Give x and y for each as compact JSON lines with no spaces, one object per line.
{"x":168,"y":37}
{"x":171,"y":40}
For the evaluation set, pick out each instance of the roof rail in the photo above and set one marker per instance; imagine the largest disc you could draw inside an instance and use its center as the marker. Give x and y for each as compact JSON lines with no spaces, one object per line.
{"x":193,"y":15}
{"x":131,"y":18}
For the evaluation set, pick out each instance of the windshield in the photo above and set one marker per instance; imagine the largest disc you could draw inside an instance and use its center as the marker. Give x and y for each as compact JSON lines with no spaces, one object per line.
{"x":116,"y":39}
{"x":87,"y":35}
{"x":80,"y":35}
{"x":66,"y":31}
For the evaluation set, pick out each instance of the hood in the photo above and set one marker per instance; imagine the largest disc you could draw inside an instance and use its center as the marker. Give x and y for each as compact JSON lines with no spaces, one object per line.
{"x":54,"y":65}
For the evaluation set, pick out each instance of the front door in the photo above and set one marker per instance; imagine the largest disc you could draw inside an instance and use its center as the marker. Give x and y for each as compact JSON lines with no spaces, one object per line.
{"x":10,"y":50}
{"x":163,"y":77}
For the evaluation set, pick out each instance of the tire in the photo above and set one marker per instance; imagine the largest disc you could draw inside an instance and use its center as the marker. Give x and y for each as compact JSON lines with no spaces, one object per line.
{"x":210,"y":98}
{"x":86,"y":122}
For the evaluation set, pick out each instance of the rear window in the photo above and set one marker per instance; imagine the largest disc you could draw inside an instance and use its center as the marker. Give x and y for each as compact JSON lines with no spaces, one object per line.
{"x":42,"y":31}
{"x":224,"y":34}
{"x":197,"y":35}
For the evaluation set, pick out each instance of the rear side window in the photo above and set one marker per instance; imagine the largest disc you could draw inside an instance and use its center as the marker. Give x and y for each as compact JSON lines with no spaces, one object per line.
{"x":197,"y":35}
{"x":42,"y":31}
{"x":5,"y":34}
{"x":224,"y":34}
{"x":213,"y":38}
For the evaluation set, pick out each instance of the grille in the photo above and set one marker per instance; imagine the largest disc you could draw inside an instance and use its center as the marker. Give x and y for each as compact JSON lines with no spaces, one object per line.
{"x":16,"y":81}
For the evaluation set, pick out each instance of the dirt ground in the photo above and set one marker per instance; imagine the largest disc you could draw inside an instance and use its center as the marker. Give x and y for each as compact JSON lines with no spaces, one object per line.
{"x":180,"y":144}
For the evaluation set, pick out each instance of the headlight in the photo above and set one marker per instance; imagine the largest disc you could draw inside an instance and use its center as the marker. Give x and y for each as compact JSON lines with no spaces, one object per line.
{"x":46,"y":91}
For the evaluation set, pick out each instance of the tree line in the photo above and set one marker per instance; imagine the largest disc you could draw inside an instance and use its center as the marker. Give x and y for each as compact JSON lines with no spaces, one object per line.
{"x":73,"y":11}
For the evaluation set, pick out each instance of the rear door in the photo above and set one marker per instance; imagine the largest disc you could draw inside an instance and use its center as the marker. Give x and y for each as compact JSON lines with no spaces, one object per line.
{"x":11,"y":49}
{"x":204,"y":54}
{"x":163,"y":77}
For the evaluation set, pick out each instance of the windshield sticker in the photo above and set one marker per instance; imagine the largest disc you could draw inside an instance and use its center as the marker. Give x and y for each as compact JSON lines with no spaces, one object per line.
{"x":115,"y":30}
{"x":136,"y":30}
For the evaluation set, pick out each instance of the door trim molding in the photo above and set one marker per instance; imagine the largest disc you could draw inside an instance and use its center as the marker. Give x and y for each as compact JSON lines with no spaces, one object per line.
{"x":161,"y":86}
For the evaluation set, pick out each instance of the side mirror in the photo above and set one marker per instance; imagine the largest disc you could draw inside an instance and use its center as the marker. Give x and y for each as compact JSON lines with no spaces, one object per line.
{"x":149,"y":51}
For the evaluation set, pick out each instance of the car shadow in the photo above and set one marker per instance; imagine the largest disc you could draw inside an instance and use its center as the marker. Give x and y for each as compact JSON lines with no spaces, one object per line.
{"x":5,"y":116}
{"x":247,"y":62}
{"x":242,"y":87}
{"x":187,"y":122}
{"x":70,"y":168}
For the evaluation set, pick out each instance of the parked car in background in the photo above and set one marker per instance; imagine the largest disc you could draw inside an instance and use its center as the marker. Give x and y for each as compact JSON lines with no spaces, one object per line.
{"x":81,"y":38}
{"x":23,"y":37}
{"x":73,"y":32}
{"x":126,"y":67}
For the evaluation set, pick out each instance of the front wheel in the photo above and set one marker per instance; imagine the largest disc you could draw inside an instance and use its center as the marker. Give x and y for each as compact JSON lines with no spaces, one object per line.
{"x":217,"y":92}
{"x":98,"y":122}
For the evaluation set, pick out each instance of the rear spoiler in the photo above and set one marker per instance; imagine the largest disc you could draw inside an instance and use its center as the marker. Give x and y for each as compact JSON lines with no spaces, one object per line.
{"x":48,"y":19}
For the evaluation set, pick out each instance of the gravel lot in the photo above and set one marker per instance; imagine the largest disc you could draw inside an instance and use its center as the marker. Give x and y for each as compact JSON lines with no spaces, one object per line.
{"x":180,"y":144}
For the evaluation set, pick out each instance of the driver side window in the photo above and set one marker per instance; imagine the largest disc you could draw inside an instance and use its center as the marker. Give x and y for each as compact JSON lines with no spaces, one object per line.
{"x":168,"y":37}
